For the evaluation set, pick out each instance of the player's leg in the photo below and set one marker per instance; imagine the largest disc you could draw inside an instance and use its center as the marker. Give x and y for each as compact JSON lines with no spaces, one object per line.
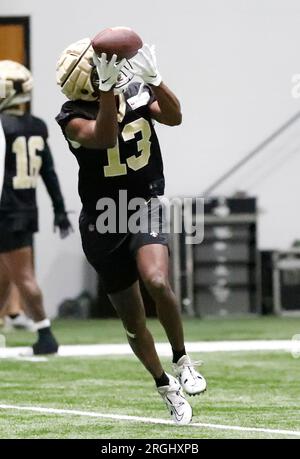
{"x":110,"y":256}
{"x":4,"y":286}
{"x":150,"y":246}
{"x":20,"y":267}
{"x":153,"y":261}
{"x":13,"y":304}
{"x":153,"y":266}
{"x":130,"y":308}
{"x":14,"y":311}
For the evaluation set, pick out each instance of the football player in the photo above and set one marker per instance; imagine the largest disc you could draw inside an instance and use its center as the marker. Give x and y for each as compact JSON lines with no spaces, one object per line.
{"x":108,"y":125}
{"x":24,"y":155}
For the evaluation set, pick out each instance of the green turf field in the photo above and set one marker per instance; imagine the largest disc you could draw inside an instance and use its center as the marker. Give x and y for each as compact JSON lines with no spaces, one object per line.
{"x":215,"y":329}
{"x":247,"y":389}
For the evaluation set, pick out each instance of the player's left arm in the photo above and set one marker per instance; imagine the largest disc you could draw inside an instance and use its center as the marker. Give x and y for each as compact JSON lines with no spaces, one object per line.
{"x":51,"y":182}
{"x":166,"y":109}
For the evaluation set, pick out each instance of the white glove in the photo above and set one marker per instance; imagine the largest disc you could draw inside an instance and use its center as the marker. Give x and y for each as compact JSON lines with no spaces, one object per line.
{"x":145,"y":66}
{"x":108,"y":71}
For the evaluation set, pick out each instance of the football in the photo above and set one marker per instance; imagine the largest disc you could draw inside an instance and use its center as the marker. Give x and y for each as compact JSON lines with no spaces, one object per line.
{"x":122,"y":41}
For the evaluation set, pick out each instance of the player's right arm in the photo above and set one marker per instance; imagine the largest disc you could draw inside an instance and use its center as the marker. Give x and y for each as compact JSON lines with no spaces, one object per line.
{"x":103,"y":132}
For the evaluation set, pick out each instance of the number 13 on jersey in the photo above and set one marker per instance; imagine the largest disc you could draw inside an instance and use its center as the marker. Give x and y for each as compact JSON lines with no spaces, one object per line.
{"x":115,"y":167}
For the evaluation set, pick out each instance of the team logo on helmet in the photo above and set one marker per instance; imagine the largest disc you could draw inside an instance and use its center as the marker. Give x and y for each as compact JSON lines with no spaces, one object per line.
{"x":77,"y":75}
{"x":16,"y":83}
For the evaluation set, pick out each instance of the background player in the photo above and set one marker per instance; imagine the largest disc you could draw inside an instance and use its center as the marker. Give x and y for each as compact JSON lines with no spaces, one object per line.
{"x":12,"y":313}
{"x":24,"y":156}
{"x":117,"y":149}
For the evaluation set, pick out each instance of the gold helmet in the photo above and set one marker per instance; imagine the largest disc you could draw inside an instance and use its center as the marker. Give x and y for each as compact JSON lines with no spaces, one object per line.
{"x":16,"y":83}
{"x":74,"y":71}
{"x":77,"y":75}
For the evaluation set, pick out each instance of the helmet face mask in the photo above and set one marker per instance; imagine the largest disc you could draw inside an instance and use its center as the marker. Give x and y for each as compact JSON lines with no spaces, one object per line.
{"x":95,"y":80}
{"x":78,"y":76}
{"x":125,"y":77}
{"x":17,"y":82}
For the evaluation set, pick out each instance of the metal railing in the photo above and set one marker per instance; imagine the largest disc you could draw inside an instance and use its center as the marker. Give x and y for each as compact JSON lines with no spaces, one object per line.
{"x":252,"y":154}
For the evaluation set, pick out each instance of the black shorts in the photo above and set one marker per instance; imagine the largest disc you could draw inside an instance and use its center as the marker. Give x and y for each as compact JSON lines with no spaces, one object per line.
{"x":15,"y":240}
{"x":113,"y":255}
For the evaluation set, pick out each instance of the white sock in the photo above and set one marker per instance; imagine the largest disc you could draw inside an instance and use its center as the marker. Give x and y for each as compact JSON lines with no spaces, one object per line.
{"x":42,"y":324}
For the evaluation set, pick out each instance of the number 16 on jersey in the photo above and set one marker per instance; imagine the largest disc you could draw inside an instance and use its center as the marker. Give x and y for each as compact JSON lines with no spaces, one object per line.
{"x":28,"y":163}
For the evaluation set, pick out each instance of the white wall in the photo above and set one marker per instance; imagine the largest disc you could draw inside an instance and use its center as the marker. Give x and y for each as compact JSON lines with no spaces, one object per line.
{"x":229,"y":61}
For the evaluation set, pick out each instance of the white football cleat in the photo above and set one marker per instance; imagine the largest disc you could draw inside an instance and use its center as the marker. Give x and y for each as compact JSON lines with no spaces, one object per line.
{"x":192,"y":382}
{"x":179,"y":408}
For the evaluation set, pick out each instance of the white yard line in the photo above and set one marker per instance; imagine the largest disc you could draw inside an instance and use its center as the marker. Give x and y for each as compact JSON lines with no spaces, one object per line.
{"x":292,"y":346}
{"x":123,"y":417}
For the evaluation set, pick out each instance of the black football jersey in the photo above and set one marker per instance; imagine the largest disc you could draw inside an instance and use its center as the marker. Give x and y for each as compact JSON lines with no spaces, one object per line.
{"x":24,"y":155}
{"x":134,"y":164}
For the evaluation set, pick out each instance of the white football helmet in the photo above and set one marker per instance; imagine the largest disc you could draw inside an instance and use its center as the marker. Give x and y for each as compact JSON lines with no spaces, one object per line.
{"x":16,"y":83}
{"x":77,"y":75}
